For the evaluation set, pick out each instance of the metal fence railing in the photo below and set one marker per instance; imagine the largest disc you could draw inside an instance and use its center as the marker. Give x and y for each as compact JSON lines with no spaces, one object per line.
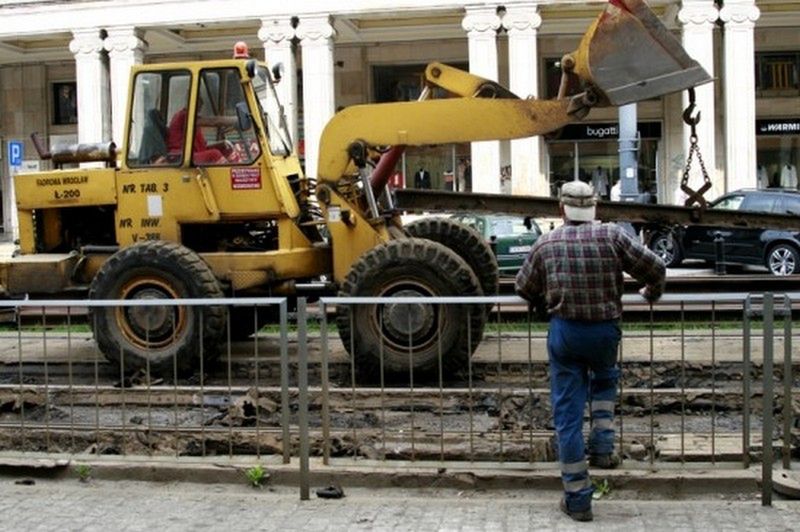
{"x":271,"y":379}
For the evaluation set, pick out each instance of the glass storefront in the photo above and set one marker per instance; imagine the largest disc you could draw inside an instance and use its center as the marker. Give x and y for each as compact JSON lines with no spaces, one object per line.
{"x":590,"y":152}
{"x":778,"y":152}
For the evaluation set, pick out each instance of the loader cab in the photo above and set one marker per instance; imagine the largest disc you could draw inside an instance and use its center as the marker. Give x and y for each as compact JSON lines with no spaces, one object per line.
{"x":191,"y":117}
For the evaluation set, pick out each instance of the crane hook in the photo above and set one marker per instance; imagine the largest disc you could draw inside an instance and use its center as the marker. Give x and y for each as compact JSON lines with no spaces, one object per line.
{"x":687,"y":113}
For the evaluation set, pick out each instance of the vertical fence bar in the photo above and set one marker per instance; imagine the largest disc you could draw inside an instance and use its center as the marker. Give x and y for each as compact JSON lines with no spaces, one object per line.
{"x":324,"y":375}
{"x":229,"y":369}
{"x":469,"y":387}
{"x":202,"y":388}
{"x":257,"y":384}
{"x":382,"y":368}
{"x":123,"y":392}
{"x":284,"y":321}
{"x":148,"y":377}
{"x":97,"y":397}
{"x":46,"y":380}
{"x":302,"y":384}
{"x":500,"y":382}
{"x":620,"y":398}
{"x":652,"y":396}
{"x":766,"y":434}
{"x":23,"y":433}
{"x":411,"y":387}
{"x":713,"y":382}
{"x":530,"y":385}
{"x":441,"y":388}
{"x":175,"y":375}
{"x":353,"y":405}
{"x":70,"y":383}
{"x":787,"y":382}
{"x":746,"y":353}
{"x":683,"y":384}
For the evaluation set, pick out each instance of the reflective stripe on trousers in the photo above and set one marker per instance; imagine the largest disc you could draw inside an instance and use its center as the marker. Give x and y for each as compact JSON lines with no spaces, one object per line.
{"x":582,"y":366}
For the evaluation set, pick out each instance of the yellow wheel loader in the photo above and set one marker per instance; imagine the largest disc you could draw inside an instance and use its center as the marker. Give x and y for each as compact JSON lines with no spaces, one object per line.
{"x":207,"y":199}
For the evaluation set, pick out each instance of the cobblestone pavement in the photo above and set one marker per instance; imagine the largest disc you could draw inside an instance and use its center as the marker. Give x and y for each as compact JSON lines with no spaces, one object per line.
{"x":110,"y":505}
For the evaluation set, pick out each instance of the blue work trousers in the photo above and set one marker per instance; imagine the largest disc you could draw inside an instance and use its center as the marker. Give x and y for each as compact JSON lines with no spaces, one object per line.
{"x":583,"y":357}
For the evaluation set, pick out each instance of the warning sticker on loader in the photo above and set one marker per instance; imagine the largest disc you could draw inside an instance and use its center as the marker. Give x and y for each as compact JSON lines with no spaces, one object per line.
{"x":245,"y":178}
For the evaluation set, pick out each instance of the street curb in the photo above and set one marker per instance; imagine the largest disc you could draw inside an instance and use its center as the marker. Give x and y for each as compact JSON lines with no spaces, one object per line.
{"x":667,"y":482}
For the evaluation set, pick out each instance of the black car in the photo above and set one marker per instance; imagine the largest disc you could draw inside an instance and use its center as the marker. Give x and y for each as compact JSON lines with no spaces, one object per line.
{"x":777,"y":249}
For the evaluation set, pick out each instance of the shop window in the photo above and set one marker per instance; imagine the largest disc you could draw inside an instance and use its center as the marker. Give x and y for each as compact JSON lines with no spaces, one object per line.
{"x":778,"y":74}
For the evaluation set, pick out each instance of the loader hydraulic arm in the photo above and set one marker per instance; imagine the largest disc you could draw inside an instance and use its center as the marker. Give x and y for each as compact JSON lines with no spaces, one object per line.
{"x":626,"y":55}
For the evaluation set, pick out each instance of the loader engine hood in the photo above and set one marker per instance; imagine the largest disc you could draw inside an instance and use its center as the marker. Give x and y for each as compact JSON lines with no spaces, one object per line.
{"x":629,"y":56}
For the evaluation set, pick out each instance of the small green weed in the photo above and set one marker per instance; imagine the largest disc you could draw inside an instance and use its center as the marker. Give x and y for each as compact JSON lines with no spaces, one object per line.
{"x":84,"y":472}
{"x":256,"y":476}
{"x":601,"y":488}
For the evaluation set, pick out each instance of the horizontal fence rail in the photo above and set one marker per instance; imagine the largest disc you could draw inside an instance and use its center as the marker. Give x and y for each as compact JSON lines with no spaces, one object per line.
{"x":276,"y":380}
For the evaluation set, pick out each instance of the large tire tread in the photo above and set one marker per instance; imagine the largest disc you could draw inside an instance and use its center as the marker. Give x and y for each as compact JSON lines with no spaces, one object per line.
{"x":412,"y":253}
{"x":202,"y":284}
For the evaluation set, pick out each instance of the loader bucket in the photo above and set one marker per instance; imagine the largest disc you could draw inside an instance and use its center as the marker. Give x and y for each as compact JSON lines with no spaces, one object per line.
{"x":629,"y":55}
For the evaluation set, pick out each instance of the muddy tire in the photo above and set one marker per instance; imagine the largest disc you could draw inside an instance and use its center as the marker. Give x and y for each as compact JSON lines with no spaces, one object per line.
{"x":467,"y":243}
{"x":160,"y":338}
{"x":410,"y":267}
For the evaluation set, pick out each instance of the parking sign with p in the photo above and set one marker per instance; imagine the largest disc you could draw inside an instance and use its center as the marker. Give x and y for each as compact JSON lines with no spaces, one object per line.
{"x":16,"y":151}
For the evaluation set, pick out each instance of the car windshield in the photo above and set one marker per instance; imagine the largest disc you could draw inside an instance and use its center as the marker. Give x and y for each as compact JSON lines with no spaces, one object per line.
{"x":732,"y":203}
{"x":507,"y":226}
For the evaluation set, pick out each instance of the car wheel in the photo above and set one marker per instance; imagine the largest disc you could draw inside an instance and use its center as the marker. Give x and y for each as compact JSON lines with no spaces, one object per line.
{"x":665,"y":246}
{"x":783,"y":259}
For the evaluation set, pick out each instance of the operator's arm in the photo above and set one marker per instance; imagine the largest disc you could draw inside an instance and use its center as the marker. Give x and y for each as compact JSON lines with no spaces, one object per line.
{"x":642,"y":264}
{"x":530,"y":279}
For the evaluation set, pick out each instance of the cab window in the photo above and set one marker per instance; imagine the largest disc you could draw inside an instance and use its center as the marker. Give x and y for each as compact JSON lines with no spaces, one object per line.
{"x":157,"y":98}
{"x":220,"y":138}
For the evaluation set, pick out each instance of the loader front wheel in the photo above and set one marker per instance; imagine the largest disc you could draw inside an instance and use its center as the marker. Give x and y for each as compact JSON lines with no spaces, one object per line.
{"x":404,"y":337}
{"x":160,"y":338}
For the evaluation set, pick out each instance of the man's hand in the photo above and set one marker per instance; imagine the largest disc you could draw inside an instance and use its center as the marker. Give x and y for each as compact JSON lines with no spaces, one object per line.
{"x":645,"y":293}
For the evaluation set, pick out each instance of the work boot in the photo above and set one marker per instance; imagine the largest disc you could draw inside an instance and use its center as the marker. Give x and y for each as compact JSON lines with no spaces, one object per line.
{"x":605,"y":461}
{"x":585,"y":515}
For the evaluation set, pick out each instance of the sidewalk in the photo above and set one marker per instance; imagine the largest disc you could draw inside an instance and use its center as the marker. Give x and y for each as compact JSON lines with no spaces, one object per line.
{"x":126,"y":505}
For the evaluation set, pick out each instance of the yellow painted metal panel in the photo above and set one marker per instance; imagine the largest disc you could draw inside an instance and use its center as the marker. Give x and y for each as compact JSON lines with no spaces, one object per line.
{"x":279,"y":265}
{"x":66,"y":188}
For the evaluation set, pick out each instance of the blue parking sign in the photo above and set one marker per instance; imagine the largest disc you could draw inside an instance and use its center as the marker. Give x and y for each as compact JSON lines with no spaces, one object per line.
{"x":16,"y":150}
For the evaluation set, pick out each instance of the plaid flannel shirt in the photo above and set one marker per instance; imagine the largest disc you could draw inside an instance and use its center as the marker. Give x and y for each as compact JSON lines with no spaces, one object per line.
{"x":577,"y":269}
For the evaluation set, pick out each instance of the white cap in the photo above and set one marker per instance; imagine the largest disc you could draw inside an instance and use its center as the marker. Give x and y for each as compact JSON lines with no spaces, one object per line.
{"x":578,"y":200}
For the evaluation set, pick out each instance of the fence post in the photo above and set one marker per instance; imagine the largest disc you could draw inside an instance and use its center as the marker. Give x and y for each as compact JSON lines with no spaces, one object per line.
{"x":302,"y":385}
{"x":766,"y":434}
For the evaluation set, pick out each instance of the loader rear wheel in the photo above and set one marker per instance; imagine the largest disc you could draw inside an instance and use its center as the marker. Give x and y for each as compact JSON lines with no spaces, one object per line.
{"x":157,"y":337}
{"x":406,"y":336}
{"x":467,"y":243}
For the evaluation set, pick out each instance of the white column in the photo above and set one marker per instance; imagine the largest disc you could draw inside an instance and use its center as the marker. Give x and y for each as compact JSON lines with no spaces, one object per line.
{"x":91,"y":73}
{"x":522,"y":21}
{"x":277,"y":35}
{"x":698,"y":18}
{"x":126,"y":47}
{"x":316,"y":38}
{"x":739,"y":17}
{"x":481,"y":24}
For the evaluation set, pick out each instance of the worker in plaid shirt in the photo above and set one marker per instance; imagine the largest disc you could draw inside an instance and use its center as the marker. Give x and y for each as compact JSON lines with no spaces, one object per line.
{"x":576,"y":271}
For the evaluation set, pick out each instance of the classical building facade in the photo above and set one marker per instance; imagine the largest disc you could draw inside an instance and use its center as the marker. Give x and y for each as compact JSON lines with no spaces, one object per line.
{"x":64,"y":72}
